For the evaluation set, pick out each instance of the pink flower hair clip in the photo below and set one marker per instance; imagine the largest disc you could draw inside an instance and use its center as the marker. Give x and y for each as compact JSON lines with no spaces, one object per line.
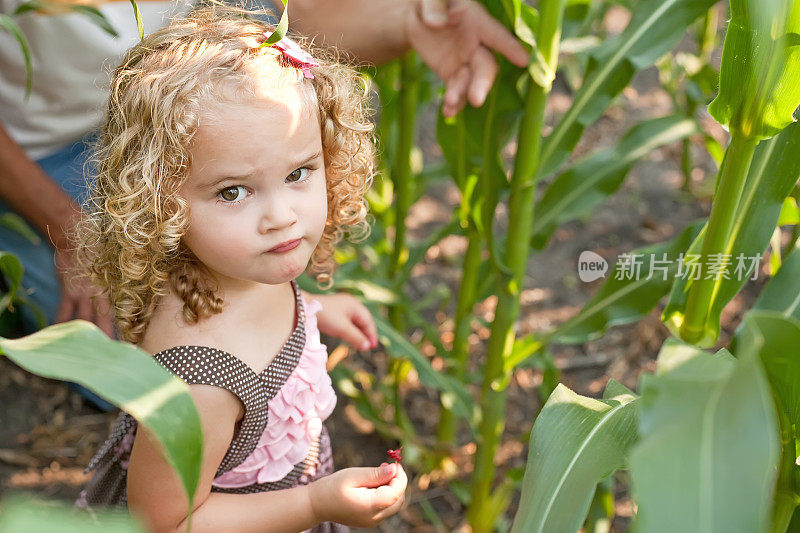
{"x":296,"y":56}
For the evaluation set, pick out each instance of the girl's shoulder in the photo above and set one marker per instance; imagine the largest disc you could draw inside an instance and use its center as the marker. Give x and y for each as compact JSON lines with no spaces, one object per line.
{"x":254,"y":340}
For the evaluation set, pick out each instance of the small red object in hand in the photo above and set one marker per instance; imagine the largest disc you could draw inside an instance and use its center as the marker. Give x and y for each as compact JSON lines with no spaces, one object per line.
{"x":395,"y":454}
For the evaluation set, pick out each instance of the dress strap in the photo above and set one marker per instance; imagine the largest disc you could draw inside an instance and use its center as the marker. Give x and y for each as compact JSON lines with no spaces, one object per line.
{"x":285,"y":361}
{"x":203,"y":365}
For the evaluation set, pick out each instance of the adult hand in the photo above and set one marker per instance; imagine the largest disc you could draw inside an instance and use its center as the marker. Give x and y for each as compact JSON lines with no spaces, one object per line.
{"x":77,"y":296}
{"x":455,"y":38}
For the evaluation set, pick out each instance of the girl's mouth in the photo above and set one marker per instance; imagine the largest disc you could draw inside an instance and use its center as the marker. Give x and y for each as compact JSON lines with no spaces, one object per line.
{"x":285,"y":246}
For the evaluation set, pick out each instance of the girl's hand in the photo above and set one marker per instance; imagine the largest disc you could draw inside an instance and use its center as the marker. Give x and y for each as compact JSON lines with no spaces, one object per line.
{"x":343,"y":316}
{"x":359,"y":497}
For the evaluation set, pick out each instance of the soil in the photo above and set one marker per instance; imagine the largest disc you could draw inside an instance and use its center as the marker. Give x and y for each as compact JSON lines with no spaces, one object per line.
{"x":47,"y":434}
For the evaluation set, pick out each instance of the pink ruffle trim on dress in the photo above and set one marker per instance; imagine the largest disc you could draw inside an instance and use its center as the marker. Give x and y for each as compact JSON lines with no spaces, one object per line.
{"x":295,"y":416}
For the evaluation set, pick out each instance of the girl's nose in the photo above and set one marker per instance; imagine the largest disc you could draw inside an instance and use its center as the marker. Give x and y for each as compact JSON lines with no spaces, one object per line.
{"x":276,"y":214}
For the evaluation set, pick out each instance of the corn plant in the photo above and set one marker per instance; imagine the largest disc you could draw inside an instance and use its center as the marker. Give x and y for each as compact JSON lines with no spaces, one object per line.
{"x":472,"y":145}
{"x":701,"y":412}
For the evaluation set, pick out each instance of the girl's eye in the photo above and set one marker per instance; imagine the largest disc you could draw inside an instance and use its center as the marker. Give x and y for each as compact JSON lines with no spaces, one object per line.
{"x":298,"y":175}
{"x":233,"y":194}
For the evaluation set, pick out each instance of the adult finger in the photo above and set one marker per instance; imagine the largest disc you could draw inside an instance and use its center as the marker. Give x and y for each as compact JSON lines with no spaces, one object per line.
{"x":85,"y":310}
{"x":433,"y":13}
{"x":456,"y":93}
{"x":495,"y":36}
{"x":104,"y":318}
{"x":66,"y":308}
{"x":484,"y":71}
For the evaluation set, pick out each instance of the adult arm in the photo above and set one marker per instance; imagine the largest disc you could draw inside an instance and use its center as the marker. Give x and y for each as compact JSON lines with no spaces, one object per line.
{"x":26,"y":188}
{"x":455,"y":38}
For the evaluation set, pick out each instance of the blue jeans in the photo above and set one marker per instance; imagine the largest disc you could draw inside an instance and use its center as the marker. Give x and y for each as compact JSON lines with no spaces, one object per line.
{"x":39,"y":279}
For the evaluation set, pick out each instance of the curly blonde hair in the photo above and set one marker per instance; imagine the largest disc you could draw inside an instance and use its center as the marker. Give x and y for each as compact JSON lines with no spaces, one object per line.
{"x":130,"y":239}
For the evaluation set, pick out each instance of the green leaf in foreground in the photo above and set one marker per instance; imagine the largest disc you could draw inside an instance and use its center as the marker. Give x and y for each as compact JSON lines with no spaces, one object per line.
{"x":778,"y":353}
{"x":575,"y":443}
{"x":708,"y":442}
{"x":780,"y":337}
{"x":25,"y":514}
{"x":124,"y":375}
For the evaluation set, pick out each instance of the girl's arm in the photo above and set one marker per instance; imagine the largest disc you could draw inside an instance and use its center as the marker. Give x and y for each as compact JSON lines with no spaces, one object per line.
{"x":354,"y":495}
{"x":346,"y":318}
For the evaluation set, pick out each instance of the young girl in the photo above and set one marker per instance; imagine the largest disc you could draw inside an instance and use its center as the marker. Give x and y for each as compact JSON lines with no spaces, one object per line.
{"x":225,"y":167}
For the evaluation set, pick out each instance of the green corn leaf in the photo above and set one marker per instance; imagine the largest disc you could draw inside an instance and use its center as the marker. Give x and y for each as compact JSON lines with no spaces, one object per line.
{"x":575,"y":443}
{"x":595,"y":177}
{"x":790,"y":213}
{"x":526,"y":24}
{"x":655,"y":27}
{"x":91,"y":12}
{"x":782,"y":292}
{"x":9,"y":24}
{"x":281,"y":29}
{"x":486,"y":130}
{"x":96,"y":16}
{"x":454,"y":395}
{"x":124,"y":375}
{"x":708,"y":444}
{"x":780,"y":336}
{"x":138,"y":16}
{"x":773,"y":173}
{"x":22,"y":513}
{"x":759,"y":85}
{"x":16,"y":223}
{"x":778,"y":353}
{"x":628,"y":295}
{"x":576,"y":16}
{"x":11,"y":270}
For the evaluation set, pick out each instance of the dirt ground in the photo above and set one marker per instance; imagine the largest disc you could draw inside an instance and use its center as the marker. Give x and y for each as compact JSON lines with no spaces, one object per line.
{"x":47,"y":434}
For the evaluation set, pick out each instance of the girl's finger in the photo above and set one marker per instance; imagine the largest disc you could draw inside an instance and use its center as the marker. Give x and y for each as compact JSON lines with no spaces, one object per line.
{"x":362,"y":318}
{"x":370,"y":477}
{"x":392,"y":509}
{"x":387,"y":495}
{"x":353,"y":336}
{"x":484,"y":72}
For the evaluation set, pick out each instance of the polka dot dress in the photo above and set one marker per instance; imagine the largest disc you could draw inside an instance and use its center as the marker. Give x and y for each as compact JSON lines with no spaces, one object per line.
{"x":210,"y":366}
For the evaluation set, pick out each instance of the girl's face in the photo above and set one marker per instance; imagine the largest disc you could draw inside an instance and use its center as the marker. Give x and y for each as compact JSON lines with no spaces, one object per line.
{"x":257,"y":181}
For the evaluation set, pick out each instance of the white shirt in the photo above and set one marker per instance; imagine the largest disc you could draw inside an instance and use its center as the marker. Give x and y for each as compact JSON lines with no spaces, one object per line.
{"x":72,"y":58}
